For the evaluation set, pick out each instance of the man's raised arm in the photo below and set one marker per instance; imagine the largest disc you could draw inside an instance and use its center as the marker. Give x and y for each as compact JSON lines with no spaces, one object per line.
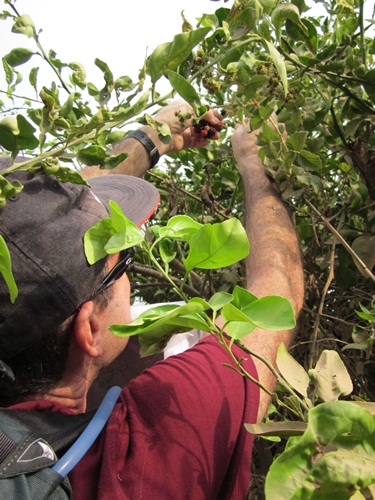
{"x":274,"y":265}
{"x":178,"y":116}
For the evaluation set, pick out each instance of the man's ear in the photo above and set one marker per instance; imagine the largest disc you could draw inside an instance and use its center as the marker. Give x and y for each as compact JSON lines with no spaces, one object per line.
{"x":86,"y":330}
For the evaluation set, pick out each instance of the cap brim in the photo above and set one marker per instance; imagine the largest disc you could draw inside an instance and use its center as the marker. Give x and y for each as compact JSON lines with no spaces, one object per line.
{"x":137,"y":198}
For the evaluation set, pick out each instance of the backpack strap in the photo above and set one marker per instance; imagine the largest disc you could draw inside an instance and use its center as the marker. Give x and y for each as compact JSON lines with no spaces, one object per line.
{"x":29,"y":440}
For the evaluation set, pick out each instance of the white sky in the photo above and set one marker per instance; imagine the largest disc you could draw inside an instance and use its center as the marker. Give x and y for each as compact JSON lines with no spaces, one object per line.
{"x":119,"y":32}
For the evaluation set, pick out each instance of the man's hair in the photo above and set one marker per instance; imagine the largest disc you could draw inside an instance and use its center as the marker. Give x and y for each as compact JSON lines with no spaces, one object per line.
{"x":39,"y":368}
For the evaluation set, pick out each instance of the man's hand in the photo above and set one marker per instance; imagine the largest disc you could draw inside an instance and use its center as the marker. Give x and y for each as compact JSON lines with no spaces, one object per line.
{"x":179,"y":117}
{"x":244,"y":143}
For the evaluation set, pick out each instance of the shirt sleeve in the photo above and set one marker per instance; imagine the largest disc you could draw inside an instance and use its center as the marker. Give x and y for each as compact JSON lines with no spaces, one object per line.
{"x":184,"y":421}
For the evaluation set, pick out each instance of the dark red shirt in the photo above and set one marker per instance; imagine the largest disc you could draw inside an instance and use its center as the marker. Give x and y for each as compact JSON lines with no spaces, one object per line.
{"x":177,"y":432}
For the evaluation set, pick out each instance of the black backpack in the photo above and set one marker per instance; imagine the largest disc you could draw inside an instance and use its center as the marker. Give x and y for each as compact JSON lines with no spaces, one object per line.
{"x":32,"y":441}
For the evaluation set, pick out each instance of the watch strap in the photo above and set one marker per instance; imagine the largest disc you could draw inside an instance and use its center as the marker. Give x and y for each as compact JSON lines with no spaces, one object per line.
{"x":147,"y":144}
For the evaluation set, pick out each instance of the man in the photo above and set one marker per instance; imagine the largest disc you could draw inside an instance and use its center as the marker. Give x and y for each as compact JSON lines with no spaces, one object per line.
{"x":177,"y":430}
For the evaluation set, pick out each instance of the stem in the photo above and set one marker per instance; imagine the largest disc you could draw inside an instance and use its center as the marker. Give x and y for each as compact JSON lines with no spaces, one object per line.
{"x":221,"y":338}
{"x":44,"y":55}
{"x":54,"y":69}
{"x":153,"y":273}
{"x":177,"y":289}
{"x":321,"y":305}
{"x":359,"y":261}
{"x":75,"y":142}
{"x":220,"y":210}
{"x":362,"y":32}
{"x":276,"y":127}
{"x":21,"y":97}
{"x":279,"y":378}
{"x":217,"y":59}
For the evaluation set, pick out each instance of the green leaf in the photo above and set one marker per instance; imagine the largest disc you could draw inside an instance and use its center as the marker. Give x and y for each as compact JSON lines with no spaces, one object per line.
{"x":236,"y":313}
{"x":130,"y":233}
{"x":309,"y":34}
{"x":112,"y":161}
{"x":185,"y":90}
{"x":8,"y":70}
{"x":335,"y":419}
{"x":219,"y":299}
{"x":6,"y":270}
{"x":18,"y":56}
{"x":79,"y":74}
{"x":92,"y":155}
{"x":111,"y":235}
{"x":366,"y":314}
{"x":64,"y":174}
{"x":330,"y":376}
{"x":10,"y":123}
{"x":232,"y":313}
{"x":55,"y":61}
{"x":297,"y":141}
{"x":119,"y":221}
{"x":292,"y":371}
{"x":347,"y":4}
{"x":272,"y":313}
{"x":17,"y":133}
{"x":157,"y":325}
{"x":115,"y":243}
{"x":209,"y":21}
{"x":242,"y":298}
{"x":309,"y":160}
{"x":124,"y":84}
{"x":170,"y":55}
{"x":334,"y":457}
{"x":268,"y":133}
{"x":125,"y":112}
{"x":26,"y":138}
{"x":268,"y":5}
{"x":284,"y":429}
{"x":96,"y":239}
{"x":162,"y":128}
{"x":107,"y":73}
{"x":24,"y":25}
{"x":283,"y":12}
{"x":239,"y":325}
{"x":218,"y":245}
{"x":309,"y":179}
{"x":243,"y":18}
{"x":166,"y":248}
{"x":279,"y":62}
{"x":33,"y":77}
{"x":180,"y":227}
{"x":8,"y":189}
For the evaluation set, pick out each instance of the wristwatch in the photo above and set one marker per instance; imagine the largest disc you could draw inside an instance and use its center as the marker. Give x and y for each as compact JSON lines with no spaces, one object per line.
{"x":147,"y":144}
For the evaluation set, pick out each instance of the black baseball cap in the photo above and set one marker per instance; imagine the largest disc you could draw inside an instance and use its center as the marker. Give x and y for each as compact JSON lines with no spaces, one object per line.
{"x":43,"y":228}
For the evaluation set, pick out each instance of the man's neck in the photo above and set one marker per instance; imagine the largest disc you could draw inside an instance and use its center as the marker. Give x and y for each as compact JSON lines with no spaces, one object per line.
{"x":72,"y":390}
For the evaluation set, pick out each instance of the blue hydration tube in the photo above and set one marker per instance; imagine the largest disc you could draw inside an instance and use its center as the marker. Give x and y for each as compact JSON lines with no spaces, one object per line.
{"x":88,"y":436}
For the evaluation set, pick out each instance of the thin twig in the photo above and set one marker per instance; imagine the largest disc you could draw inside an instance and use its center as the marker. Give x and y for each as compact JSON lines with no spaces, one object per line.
{"x":321,"y":305}
{"x":347,"y":247}
{"x":152,"y":273}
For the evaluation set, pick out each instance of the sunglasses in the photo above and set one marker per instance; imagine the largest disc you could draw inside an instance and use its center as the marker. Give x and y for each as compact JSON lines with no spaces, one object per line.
{"x":126,"y":259}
